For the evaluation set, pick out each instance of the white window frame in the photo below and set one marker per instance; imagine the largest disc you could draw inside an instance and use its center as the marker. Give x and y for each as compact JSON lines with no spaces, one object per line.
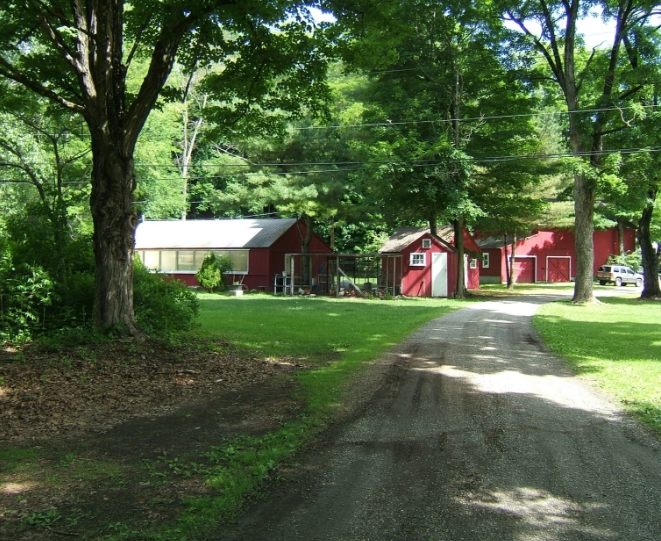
{"x":426,"y":244}
{"x":473,"y":263}
{"x":418,"y":259}
{"x":485,"y":260}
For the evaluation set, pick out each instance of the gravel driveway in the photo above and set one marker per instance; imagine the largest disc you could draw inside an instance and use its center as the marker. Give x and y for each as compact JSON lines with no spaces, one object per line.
{"x":475,"y":433}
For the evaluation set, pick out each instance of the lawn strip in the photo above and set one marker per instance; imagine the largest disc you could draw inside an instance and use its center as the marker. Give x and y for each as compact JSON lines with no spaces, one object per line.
{"x":616,"y":343}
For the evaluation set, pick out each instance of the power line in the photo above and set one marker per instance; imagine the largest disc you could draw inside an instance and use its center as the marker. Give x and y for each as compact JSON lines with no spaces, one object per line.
{"x":433,"y":121}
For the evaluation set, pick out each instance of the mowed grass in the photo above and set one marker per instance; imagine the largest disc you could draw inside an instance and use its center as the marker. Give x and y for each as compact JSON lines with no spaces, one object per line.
{"x":617,"y":343}
{"x":334,"y":336}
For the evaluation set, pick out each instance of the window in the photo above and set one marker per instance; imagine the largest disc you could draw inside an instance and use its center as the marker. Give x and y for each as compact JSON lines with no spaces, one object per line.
{"x":189,"y":261}
{"x":418,"y":259}
{"x":426,"y":244}
{"x":239,"y":259}
{"x":473,"y":263}
{"x":168,"y":261}
{"x":186,"y":260}
{"x":485,"y":260}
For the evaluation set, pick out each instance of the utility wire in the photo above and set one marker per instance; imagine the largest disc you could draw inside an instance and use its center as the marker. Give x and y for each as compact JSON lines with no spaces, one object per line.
{"x":413,"y":122}
{"x":362,"y":165}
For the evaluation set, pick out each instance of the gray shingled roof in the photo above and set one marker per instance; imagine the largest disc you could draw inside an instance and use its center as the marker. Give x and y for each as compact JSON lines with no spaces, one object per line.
{"x":404,"y":236}
{"x":182,"y":234}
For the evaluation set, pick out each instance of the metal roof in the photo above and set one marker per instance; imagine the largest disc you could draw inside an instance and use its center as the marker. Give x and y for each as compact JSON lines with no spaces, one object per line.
{"x":404,"y":236}
{"x":211,"y":234}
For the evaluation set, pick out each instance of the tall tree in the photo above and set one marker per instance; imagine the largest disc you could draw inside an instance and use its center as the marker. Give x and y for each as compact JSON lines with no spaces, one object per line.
{"x":78,"y":54}
{"x":550,"y":26}
{"x":436,"y":72}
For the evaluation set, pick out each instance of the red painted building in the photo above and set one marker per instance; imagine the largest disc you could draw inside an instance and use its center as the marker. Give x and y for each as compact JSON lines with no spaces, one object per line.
{"x":257,"y":247}
{"x":547,"y":255}
{"x":428,"y":265}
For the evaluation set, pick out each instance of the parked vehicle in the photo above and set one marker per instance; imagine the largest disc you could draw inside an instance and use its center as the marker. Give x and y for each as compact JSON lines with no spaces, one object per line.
{"x":618,"y":275}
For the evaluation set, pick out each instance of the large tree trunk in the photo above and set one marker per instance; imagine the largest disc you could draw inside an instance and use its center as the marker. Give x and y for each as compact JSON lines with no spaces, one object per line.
{"x":460,"y":292}
{"x":508,"y":268}
{"x":510,"y":264}
{"x":111,"y":202}
{"x":306,"y":239}
{"x":584,"y":198}
{"x":650,"y":256}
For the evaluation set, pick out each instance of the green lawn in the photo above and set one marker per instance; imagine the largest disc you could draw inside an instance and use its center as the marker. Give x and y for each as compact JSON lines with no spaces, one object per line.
{"x":617,"y":343}
{"x":346,"y":332}
{"x":335,"y":337}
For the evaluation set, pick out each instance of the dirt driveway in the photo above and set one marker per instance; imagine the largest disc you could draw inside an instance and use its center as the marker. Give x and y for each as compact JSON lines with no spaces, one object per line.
{"x":475,"y":433}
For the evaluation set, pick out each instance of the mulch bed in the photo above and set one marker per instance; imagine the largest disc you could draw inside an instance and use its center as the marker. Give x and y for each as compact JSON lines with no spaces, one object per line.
{"x":94,"y":388}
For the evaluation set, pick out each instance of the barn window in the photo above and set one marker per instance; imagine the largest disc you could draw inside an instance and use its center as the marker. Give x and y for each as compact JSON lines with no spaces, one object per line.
{"x":418,"y":259}
{"x":239,"y":259}
{"x":473,"y":263}
{"x":485,"y":260}
{"x":190,"y":261}
{"x":426,"y":244}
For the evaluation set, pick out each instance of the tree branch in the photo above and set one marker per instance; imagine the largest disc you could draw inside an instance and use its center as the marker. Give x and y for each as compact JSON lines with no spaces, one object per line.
{"x":10,"y":72}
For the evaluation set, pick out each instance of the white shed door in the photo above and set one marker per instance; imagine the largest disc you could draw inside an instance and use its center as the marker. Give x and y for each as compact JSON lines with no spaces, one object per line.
{"x":439,"y":274}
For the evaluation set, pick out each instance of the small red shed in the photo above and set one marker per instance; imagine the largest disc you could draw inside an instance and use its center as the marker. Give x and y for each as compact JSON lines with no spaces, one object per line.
{"x":547,"y":255}
{"x":257,"y":247}
{"x":429,"y":262}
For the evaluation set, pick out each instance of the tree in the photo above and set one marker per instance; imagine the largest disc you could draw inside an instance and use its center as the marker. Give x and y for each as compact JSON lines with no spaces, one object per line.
{"x":79,"y":54}
{"x":436,"y":72}
{"x":585,"y":83}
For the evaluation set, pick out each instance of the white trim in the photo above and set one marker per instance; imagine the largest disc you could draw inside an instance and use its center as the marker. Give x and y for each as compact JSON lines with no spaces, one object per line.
{"x":557,"y":257}
{"x":472,"y":263}
{"x":422,"y":255}
{"x":426,"y":244}
{"x":486,"y":260}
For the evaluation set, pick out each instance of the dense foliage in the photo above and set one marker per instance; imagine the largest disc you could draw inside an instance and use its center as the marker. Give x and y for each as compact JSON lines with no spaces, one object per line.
{"x":398,"y":112}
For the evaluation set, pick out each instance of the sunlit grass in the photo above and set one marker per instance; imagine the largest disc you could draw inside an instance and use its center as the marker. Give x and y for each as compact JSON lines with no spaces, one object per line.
{"x":617,"y":343}
{"x":335,"y":336}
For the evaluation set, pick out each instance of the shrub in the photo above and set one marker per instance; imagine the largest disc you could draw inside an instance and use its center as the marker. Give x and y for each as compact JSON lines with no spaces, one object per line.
{"x":162,"y":305}
{"x":631,"y":259}
{"x":210,"y":275}
{"x":25,"y":292}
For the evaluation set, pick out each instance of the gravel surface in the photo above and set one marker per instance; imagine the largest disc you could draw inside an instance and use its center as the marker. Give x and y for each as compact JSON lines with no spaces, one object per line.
{"x":475,"y":432}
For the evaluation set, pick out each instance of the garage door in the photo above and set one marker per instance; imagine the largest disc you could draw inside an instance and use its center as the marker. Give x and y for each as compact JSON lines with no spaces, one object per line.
{"x":558,"y":268}
{"x":524,"y":270}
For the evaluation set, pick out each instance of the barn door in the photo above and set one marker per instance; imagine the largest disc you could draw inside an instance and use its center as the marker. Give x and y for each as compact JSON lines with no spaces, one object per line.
{"x":558,"y":269}
{"x":439,"y":274}
{"x":524,"y":270}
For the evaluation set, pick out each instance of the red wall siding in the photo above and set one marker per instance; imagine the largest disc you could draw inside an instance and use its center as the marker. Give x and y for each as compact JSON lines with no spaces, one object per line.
{"x":290,"y":243}
{"x":558,"y":243}
{"x":416,"y":281}
{"x":606,"y":243}
{"x":474,"y":276}
{"x":495,"y":262}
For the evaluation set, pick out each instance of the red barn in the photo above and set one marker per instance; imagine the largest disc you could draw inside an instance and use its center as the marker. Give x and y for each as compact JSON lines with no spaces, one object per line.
{"x":429,"y":262}
{"x":257,"y":247}
{"x":547,"y":255}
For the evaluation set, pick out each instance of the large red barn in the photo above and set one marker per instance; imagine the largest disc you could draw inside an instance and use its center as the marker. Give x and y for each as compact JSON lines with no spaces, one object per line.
{"x":429,"y":262}
{"x":546,"y":255}
{"x":257,"y":247}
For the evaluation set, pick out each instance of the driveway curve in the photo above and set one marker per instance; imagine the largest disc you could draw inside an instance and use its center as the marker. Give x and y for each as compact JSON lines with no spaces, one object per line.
{"x":475,"y":433}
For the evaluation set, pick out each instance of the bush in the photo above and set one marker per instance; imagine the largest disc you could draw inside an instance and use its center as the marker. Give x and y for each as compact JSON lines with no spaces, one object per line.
{"x":631,"y":259}
{"x":210,"y":275}
{"x":25,"y":293}
{"x":162,"y":305}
